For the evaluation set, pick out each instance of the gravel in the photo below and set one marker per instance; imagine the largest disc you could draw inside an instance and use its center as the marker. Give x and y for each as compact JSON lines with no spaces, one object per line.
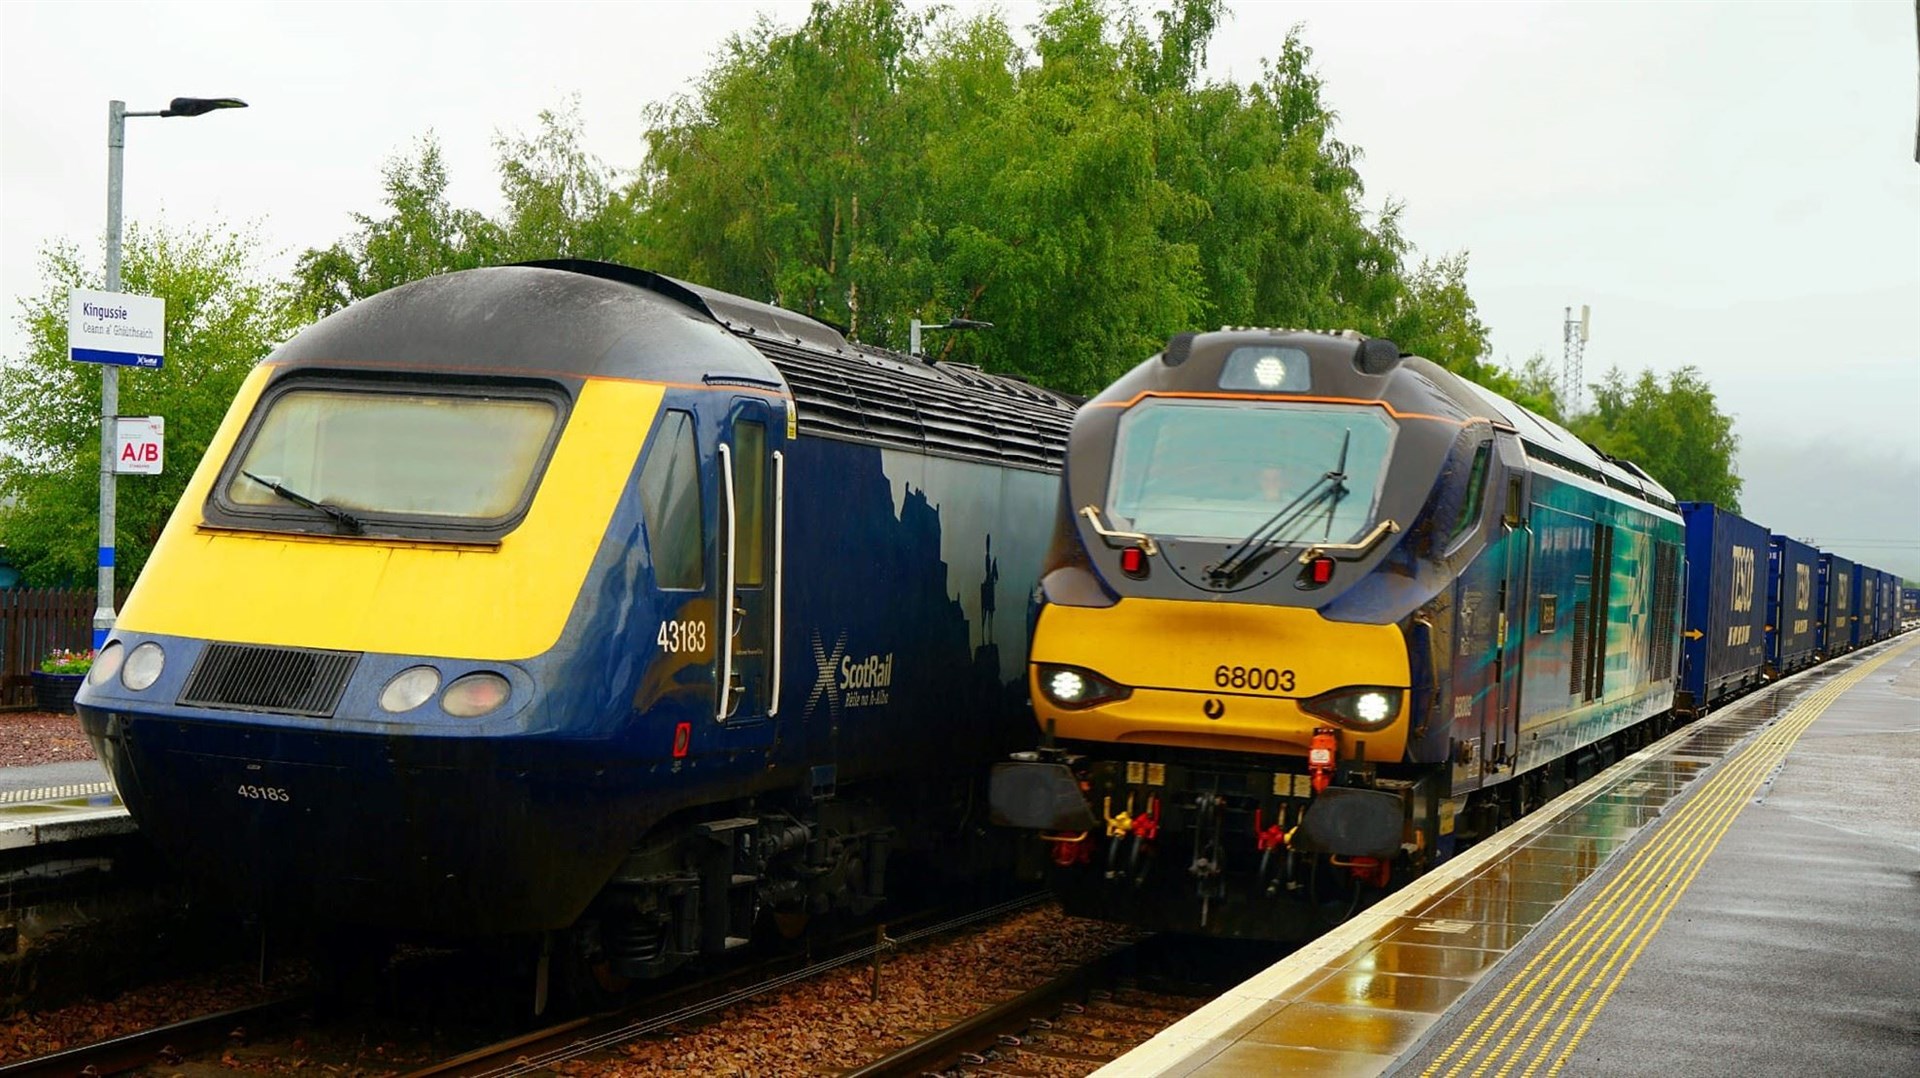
{"x":41,"y":737}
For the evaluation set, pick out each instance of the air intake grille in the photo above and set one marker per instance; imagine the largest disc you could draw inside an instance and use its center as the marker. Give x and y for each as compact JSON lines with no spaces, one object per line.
{"x":287,"y":681}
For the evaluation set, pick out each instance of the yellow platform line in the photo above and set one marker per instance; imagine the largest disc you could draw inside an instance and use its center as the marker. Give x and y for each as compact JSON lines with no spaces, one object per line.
{"x":1629,"y":910}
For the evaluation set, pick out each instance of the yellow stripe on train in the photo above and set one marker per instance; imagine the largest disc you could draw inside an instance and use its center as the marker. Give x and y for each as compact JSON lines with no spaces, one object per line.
{"x":1190,"y":665}
{"x":401,"y":597}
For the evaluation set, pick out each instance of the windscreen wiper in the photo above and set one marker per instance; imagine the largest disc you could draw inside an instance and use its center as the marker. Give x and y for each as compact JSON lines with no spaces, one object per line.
{"x":347,"y":520}
{"x":1330,"y":488}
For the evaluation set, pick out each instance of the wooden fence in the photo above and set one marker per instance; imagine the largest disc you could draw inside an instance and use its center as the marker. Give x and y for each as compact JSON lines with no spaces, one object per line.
{"x":33,"y":622}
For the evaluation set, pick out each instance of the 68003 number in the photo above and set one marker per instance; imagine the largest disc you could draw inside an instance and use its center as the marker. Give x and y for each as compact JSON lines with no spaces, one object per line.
{"x":1256,"y":678}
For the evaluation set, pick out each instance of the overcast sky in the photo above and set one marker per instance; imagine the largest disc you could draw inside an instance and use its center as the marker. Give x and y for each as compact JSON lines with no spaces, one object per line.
{"x":1731,"y":186}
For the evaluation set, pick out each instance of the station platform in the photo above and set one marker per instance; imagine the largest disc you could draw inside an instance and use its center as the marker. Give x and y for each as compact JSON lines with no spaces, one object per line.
{"x":1738,"y":898}
{"x":51,"y":803}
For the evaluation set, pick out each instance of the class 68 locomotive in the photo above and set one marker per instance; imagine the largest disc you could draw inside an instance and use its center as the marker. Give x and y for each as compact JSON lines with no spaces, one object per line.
{"x":577,"y":603}
{"x":1314,"y":612}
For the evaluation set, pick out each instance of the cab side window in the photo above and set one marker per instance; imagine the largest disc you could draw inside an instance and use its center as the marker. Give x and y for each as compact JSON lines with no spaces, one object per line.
{"x":1476,"y":489}
{"x":670,"y":501}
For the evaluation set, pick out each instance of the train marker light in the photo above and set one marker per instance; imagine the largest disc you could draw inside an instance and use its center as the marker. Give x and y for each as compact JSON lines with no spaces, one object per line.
{"x":1321,"y":570}
{"x":682,"y":738}
{"x":474,"y":695}
{"x":143,"y":666}
{"x":409,"y":689}
{"x":1133,"y":562}
{"x":106,"y":664}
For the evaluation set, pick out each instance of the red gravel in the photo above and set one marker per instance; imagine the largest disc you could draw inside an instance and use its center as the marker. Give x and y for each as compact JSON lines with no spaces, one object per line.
{"x":41,"y":737}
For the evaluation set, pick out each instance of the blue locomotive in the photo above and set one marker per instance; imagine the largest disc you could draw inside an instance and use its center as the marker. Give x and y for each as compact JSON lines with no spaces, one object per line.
{"x":1316,"y":612}
{"x":572,"y":597}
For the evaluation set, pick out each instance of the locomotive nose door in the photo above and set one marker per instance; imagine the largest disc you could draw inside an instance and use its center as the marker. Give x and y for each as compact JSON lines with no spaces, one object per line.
{"x":752,"y":474}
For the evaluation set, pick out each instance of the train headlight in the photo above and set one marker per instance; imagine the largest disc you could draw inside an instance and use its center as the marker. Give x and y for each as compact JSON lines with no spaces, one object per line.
{"x":1077,"y":687}
{"x":409,"y":689}
{"x":474,"y":695}
{"x":106,"y":664}
{"x":143,"y":666}
{"x":1364,"y":707}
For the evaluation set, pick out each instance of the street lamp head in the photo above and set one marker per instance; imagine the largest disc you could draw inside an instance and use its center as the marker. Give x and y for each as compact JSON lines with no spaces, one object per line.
{"x":965,"y":323}
{"x":200,"y":106}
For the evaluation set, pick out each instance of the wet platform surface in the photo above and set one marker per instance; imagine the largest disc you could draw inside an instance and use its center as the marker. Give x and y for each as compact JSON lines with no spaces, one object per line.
{"x":1737,"y":899}
{"x":50,"y":803}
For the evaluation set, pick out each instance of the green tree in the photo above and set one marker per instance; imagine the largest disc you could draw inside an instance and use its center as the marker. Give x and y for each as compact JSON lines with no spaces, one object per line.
{"x":561,"y":201}
{"x":421,"y":234}
{"x":222,"y":316}
{"x":1532,"y":385}
{"x":1675,"y":431}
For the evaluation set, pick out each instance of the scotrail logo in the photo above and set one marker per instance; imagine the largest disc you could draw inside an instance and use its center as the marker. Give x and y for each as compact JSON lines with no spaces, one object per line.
{"x":845,"y":681}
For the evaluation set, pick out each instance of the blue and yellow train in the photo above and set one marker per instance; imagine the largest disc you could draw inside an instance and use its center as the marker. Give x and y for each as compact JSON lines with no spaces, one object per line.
{"x":1315,"y":612}
{"x":572,"y":597}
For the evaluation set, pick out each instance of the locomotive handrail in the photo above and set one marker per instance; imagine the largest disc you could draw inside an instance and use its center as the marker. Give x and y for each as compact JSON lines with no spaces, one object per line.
{"x":779,"y":567}
{"x":726,"y":637}
{"x":1093,"y":518}
{"x":1384,"y":529}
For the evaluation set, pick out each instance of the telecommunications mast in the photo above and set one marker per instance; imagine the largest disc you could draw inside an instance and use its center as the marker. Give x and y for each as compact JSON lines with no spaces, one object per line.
{"x":1573,"y":351}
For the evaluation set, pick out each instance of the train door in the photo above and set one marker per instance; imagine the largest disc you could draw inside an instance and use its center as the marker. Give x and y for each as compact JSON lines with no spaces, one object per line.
{"x":752,"y":478}
{"x":1516,"y":530}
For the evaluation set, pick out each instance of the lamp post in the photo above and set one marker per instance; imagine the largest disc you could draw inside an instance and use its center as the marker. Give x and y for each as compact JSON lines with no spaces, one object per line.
{"x":103,"y":614}
{"x":915,"y":327}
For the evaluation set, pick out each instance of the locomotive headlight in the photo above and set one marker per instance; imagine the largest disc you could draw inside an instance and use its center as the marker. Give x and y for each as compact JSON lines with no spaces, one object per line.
{"x":106,"y":664}
{"x":1373,"y":707}
{"x":474,"y":695}
{"x":143,"y":666}
{"x":1365,"y":707}
{"x":1077,"y":687}
{"x":409,"y":689}
{"x":1067,"y":687}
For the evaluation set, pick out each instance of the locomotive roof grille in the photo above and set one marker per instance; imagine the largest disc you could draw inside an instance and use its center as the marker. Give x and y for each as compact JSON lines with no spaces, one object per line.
{"x":968,"y":414}
{"x":855,"y":392}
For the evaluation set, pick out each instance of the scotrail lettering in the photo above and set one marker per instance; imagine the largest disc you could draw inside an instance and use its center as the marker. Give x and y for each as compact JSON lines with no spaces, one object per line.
{"x":866,"y":682}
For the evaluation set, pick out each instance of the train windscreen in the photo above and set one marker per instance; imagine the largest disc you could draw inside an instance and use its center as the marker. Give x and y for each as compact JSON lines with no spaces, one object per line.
{"x":1206,"y":469}
{"x":399,"y":454}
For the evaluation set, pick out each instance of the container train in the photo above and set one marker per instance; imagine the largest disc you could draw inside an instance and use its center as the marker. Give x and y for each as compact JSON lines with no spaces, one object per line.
{"x":577,"y":603}
{"x":1316,"y":612}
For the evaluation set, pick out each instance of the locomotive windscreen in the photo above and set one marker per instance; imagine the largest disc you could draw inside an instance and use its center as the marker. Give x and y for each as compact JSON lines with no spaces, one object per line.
{"x":424,"y":455}
{"x":1220,"y":469}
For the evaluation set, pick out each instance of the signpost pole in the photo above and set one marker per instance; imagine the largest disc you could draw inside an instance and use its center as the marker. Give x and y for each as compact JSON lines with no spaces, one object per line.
{"x":103,"y":612}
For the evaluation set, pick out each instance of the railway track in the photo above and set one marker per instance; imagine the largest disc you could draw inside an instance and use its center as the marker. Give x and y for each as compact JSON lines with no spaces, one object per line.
{"x":166,"y":1044}
{"x":1072,"y":1025}
{"x":572,"y":1039}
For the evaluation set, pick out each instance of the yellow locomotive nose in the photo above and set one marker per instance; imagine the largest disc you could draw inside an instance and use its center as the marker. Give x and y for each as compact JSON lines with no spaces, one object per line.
{"x":1234,"y":677}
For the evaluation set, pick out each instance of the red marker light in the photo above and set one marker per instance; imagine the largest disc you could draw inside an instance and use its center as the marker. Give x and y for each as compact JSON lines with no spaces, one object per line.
{"x":682,"y":737}
{"x":1133,"y":561}
{"x":1321,"y":570}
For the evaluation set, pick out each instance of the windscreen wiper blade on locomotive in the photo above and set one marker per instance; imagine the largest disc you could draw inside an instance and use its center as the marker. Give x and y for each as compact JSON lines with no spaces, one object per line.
{"x":1282,"y":528}
{"x":347,"y":520}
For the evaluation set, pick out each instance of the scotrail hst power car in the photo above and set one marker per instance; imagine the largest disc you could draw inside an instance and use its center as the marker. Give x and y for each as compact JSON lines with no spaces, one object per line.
{"x":573,"y":597}
{"x":1315,"y":610}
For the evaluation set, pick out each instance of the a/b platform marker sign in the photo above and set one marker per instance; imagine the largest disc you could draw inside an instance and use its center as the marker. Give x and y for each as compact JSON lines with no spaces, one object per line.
{"x":139,"y":444}
{"x":116,"y":327}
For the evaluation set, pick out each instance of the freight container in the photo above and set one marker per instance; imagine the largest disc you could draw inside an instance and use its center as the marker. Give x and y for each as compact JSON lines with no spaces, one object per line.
{"x":1792,"y":617}
{"x":1836,"y":605}
{"x":1725,"y":647}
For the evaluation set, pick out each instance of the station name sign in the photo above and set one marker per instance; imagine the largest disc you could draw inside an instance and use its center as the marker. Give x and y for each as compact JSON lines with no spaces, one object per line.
{"x":116,"y":327}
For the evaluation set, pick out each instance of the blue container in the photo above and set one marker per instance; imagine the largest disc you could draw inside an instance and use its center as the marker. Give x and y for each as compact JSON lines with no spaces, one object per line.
{"x":1793,"y":613}
{"x":1909,"y":603}
{"x":1856,"y":631}
{"x":1726,"y":634}
{"x":1836,"y":605}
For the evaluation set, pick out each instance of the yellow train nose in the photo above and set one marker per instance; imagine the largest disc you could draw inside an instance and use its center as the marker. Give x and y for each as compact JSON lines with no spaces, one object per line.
{"x":1233,"y":677}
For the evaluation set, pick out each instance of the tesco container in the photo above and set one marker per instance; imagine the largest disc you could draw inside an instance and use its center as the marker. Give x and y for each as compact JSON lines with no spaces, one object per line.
{"x":1725,"y":640}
